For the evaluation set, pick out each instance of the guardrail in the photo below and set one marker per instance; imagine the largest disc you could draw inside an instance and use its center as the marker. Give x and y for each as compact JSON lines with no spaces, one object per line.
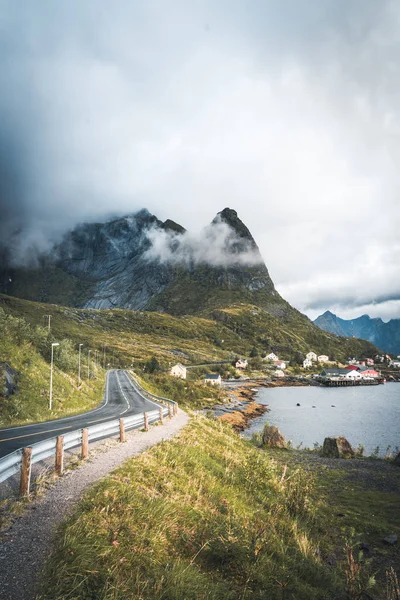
{"x":148,"y":394}
{"x":23,"y":458}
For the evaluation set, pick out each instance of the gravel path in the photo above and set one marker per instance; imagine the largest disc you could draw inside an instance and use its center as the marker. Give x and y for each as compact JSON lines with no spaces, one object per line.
{"x":27,"y":544}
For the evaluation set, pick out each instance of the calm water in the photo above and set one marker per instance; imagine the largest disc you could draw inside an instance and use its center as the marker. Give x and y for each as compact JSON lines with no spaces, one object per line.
{"x":367,"y":415}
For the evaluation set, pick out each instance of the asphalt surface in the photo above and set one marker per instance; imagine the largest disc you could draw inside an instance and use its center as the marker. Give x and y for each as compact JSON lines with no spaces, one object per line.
{"x":121,"y":398}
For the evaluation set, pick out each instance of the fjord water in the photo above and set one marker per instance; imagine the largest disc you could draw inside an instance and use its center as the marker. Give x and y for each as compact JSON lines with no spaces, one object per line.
{"x":367,"y":415}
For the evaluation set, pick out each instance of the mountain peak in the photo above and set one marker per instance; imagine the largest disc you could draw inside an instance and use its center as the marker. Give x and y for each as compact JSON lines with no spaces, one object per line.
{"x":230,"y":217}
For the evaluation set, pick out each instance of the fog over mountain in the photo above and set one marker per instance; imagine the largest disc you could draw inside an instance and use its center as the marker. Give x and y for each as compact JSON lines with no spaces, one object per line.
{"x":287,"y":111}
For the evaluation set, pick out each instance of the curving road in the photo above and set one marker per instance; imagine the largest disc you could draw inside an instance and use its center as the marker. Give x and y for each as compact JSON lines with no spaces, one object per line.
{"x":121,"y":398}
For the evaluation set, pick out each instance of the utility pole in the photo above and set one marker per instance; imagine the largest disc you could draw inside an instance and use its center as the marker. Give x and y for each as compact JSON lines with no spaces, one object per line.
{"x":48,"y":322}
{"x":79,"y":364}
{"x":51,"y":372}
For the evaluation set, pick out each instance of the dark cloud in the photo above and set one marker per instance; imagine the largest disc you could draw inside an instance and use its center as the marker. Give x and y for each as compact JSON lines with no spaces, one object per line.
{"x":287,"y":111}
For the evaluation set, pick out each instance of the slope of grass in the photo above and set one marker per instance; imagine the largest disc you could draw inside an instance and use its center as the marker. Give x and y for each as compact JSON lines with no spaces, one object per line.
{"x":125,"y":339}
{"x":27,"y":351}
{"x":360,"y":507}
{"x":205,"y":516}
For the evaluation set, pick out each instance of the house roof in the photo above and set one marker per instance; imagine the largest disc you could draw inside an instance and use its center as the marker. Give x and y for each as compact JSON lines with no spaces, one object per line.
{"x":212,"y":376}
{"x":337,"y":371}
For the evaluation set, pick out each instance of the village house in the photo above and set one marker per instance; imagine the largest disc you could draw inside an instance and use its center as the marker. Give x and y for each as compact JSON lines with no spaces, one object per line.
{"x":241,"y":363}
{"x":280,"y":364}
{"x":367,"y":372}
{"x":307,"y":363}
{"x":279,"y":373}
{"x":271,"y":356}
{"x":395,"y":364}
{"x":334,"y":372}
{"x":323,"y":358}
{"x":352,"y":374}
{"x":213,"y":379}
{"x":178,"y":371}
{"x":311,"y":356}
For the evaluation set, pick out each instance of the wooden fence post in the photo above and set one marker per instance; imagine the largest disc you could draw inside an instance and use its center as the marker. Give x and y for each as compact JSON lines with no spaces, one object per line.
{"x":121,"y":430}
{"x":26,"y":469}
{"x":161,"y":416}
{"x":146,"y":422}
{"x":60,"y":454}
{"x":170,"y":411}
{"x":85,"y":443}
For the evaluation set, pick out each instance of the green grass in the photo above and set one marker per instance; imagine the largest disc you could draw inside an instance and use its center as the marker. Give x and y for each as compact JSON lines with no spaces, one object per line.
{"x":357,"y":502}
{"x":205,"y":516}
{"x":132,"y":338}
{"x":31,"y":402}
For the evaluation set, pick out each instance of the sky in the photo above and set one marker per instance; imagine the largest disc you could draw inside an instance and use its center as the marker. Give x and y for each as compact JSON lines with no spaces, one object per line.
{"x":287,"y":111}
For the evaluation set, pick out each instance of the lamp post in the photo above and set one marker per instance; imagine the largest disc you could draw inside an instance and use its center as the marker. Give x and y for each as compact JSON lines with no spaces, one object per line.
{"x":79,"y":364}
{"x":51,"y":372}
{"x":88,"y":364}
{"x":48,"y":322}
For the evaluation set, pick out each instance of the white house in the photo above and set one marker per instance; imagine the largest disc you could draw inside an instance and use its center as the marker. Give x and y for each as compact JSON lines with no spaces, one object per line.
{"x":271,"y":356}
{"x":307,"y":363}
{"x":280,"y":364}
{"x":323,"y":358}
{"x":395,"y":363}
{"x":241,"y":363}
{"x":311,"y":356}
{"x":213,"y":379}
{"x":178,"y":371}
{"x":279,"y":373}
{"x":352,"y":374}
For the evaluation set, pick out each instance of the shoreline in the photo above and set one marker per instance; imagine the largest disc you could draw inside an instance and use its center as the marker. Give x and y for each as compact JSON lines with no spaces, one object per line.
{"x":242,"y":407}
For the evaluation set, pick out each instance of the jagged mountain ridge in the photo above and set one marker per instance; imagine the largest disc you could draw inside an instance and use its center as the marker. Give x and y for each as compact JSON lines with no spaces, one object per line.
{"x":118,"y":264}
{"x":384,"y":335}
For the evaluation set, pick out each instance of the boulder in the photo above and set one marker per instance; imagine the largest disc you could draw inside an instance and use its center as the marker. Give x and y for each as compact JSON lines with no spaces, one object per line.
{"x":337,"y":447}
{"x":8,"y":380}
{"x":390,"y":539}
{"x":273,"y":438}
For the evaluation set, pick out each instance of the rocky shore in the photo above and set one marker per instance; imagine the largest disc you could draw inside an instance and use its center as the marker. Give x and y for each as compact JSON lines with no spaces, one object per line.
{"x":242,"y":407}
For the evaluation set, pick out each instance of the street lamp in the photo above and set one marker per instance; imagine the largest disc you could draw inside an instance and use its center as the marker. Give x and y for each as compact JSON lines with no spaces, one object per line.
{"x":51,"y":372}
{"x":79,"y":364}
{"x":104,"y":356}
{"x":88,"y":364}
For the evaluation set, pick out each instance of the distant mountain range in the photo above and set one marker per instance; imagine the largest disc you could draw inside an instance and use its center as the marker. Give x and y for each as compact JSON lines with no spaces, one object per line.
{"x":385,"y":336}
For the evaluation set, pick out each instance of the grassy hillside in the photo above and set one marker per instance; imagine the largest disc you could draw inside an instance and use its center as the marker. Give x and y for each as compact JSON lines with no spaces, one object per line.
{"x":205,"y":516}
{"x":135,"y":339}
{"x":26,"y":349}
{"x":209,"y":516}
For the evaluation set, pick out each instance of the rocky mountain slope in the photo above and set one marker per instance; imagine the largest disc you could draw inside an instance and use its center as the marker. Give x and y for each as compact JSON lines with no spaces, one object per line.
{"x":384,"y":335}
{"x":138,"y":262}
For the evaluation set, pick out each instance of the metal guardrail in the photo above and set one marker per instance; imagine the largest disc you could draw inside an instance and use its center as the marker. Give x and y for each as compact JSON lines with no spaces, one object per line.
{"x":11,"y":464}
{"x":150,"y":395}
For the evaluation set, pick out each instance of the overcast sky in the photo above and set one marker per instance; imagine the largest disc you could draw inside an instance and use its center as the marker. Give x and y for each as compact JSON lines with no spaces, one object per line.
{"x":285,"y":110}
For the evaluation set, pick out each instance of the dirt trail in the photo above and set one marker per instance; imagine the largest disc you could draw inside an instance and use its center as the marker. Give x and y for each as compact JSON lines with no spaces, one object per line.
{"x":25,"y":546}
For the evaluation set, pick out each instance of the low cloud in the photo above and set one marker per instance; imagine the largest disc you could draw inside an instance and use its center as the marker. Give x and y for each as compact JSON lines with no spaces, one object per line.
{"x":217,"y":245}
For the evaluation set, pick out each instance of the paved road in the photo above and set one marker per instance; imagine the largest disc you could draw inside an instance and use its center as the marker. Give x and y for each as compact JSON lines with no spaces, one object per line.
{"x":121,"y":398}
